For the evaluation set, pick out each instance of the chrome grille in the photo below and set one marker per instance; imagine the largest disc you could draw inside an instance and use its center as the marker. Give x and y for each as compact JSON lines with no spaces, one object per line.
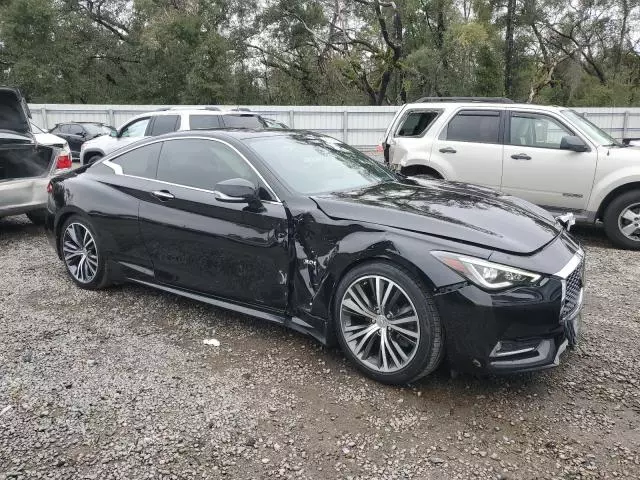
{"x":572,"y":290}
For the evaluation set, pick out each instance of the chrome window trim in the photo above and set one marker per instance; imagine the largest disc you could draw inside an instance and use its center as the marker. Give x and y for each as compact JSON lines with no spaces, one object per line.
{"x":571,"y":266}
{"x":117,"y":169}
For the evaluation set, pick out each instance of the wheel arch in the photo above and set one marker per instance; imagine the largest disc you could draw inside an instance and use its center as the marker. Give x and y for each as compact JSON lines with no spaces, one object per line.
{"x":334,"y":277}
{"x":62,"y":217}
{"x":91,"y":152}
{"x":420,"y":169}
{"x":616,"y":192}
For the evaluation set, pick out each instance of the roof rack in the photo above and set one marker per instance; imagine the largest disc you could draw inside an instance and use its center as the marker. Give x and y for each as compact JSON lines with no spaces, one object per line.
{"x":465,"y":99}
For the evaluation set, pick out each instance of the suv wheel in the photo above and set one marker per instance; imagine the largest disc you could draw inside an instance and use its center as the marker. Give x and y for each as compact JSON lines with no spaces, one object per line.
{"x":622,"y":220}
{"x":92,"y":159}
{"x":387,"y":323}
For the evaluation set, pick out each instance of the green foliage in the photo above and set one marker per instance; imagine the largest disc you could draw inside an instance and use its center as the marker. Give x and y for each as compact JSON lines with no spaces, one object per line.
{"x":307,"y":52}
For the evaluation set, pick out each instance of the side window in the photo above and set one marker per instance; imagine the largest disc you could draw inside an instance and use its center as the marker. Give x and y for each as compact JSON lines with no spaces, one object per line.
{"x":242,"y":121}
{"x":56,"y":129}
{"x":204,"y":122}
{"x":201,"y":163}
{"x":75,"y":129}
{"x":478,"y":126}
{"x":416,"y":123}
{"x":165,"y":124}
{"x":135,"y":129}
{"x":533,"y":130}
{"x":140,"y":162}
{"x":63,"y":128}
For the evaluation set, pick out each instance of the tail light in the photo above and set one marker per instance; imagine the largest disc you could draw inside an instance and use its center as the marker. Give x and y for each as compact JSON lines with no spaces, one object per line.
{"x":379,"y":148}
{"x":49,"y":187}
{"x":63,"y":161}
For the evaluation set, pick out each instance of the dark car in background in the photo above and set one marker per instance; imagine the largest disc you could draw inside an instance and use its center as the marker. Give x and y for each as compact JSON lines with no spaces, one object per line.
{"x":303,"y":230}
{"x":76,"y":133}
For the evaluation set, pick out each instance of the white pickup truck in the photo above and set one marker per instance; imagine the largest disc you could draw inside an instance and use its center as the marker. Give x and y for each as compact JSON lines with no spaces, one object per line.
{"x":551,"y":156}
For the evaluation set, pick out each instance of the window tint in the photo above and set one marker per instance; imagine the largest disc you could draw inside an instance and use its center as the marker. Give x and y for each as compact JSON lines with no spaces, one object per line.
{"x":475,"y":126}
{"x":204,"y":122}
{"x":136,"y":129}
{"x":63,"y":128}
{"x":201,"y":164}
{"x":75,"y":129}
{"x":164,"y":124}
{"x":416,"y":123}
{"x":536,"y":131}
{"x":242,"y":121}
{"x":140,"y":162}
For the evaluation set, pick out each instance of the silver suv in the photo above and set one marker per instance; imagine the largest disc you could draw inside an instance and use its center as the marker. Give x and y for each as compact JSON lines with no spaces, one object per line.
{"x":549,"y":155}
{"x":165,"y":121}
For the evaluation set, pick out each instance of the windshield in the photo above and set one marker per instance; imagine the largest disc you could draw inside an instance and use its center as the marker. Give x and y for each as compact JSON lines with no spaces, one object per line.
{"x":310,"y":163}
{"x":96,"y":129}
{"x":594,"y":132}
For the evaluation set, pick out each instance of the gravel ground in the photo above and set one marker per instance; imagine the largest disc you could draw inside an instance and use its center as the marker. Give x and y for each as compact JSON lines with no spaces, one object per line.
{"x":118,"y":384}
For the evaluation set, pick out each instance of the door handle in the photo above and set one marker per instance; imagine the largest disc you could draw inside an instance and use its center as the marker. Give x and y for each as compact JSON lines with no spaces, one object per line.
{"x":447,"y":150}
{"x":521,"y":156}
{"x":163,"y":195}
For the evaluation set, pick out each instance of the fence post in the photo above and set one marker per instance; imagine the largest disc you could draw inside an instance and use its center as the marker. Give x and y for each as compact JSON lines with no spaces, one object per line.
{"x":345,"y":126}
{"x":45,"y":123}
{"x":625,"y":124}
{"x":291,"y":123}
{"x":112,"y":118}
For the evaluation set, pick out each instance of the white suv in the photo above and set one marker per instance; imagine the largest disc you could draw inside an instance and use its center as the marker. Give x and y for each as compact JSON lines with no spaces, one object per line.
{"x":551,"y":156}
{"x":165,"y":121}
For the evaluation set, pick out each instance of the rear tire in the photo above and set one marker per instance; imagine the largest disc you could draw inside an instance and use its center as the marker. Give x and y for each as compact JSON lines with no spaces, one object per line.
{"x":622,"y":220}
{"x":37,"y":217}
{"x":398,"y":343}
{"x":82,"y":254}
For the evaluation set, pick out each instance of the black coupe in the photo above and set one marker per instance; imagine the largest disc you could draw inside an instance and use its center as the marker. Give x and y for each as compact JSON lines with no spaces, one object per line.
{"x":303,"y":230}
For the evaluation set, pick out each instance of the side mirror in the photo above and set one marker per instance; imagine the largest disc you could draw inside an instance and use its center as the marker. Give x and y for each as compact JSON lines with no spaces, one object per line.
{"x":571,"y":142}
{"x":113,"y":133}
{"x":236,"y":190}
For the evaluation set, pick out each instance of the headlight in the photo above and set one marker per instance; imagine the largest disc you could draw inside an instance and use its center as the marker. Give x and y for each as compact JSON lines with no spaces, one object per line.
{"x":488,"y":275}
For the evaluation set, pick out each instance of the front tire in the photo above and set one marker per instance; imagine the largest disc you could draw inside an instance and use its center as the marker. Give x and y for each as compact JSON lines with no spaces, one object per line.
{"x":622,"y":220}
{"x":81,"y":252}
{"x":387,"y":323}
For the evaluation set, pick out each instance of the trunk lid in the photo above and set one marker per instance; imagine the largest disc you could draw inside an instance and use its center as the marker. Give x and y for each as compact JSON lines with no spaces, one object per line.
{"x":20,"y":155}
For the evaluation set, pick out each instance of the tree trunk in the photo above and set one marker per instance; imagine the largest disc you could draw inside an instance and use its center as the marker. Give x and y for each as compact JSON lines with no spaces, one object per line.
{"x":509,"y":49}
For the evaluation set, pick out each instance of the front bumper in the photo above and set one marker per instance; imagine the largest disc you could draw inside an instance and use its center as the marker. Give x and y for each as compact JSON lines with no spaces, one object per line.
{"x":519,"y":330}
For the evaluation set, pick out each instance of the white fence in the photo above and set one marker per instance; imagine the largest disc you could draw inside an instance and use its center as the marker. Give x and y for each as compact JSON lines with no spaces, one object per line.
{"x":360,"y":126}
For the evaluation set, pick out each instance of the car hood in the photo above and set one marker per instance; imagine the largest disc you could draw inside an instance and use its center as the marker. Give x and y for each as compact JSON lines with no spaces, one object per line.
{"x":630,"y":153}
{"x":105,"y":143}
{"x":14,"y":115}
{"x":456,"y":211}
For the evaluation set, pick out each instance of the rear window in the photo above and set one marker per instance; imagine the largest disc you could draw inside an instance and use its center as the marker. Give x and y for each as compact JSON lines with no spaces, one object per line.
{"x":164,"y":124}
{"x":204,"y":122}
{"x":478,"y":126}
{"x":416,"y":123}
{"x":242,"y":121}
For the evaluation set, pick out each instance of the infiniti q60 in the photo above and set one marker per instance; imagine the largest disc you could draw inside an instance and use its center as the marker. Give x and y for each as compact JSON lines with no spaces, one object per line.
{"x":303,"y":230}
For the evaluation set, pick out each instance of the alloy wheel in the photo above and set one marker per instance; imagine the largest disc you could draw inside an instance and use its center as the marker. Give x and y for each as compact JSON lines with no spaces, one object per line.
{"x":629,"y":222}
{"x":379,"y":323}
{"x":80,"y":252}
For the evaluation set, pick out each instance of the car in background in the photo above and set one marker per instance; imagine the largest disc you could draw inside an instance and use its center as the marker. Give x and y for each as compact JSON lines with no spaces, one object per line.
{"x":303,"y":230}
{"x":550,"y":156}
{"x":76,"y":133}
{"x":166,"y":121}
{"x":50,"y":140}
{"x":271,"y":123}
{"x":26,"y":163}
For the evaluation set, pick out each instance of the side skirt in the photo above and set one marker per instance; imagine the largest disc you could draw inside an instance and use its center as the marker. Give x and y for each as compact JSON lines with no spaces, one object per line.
{"x":294,"y":323}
